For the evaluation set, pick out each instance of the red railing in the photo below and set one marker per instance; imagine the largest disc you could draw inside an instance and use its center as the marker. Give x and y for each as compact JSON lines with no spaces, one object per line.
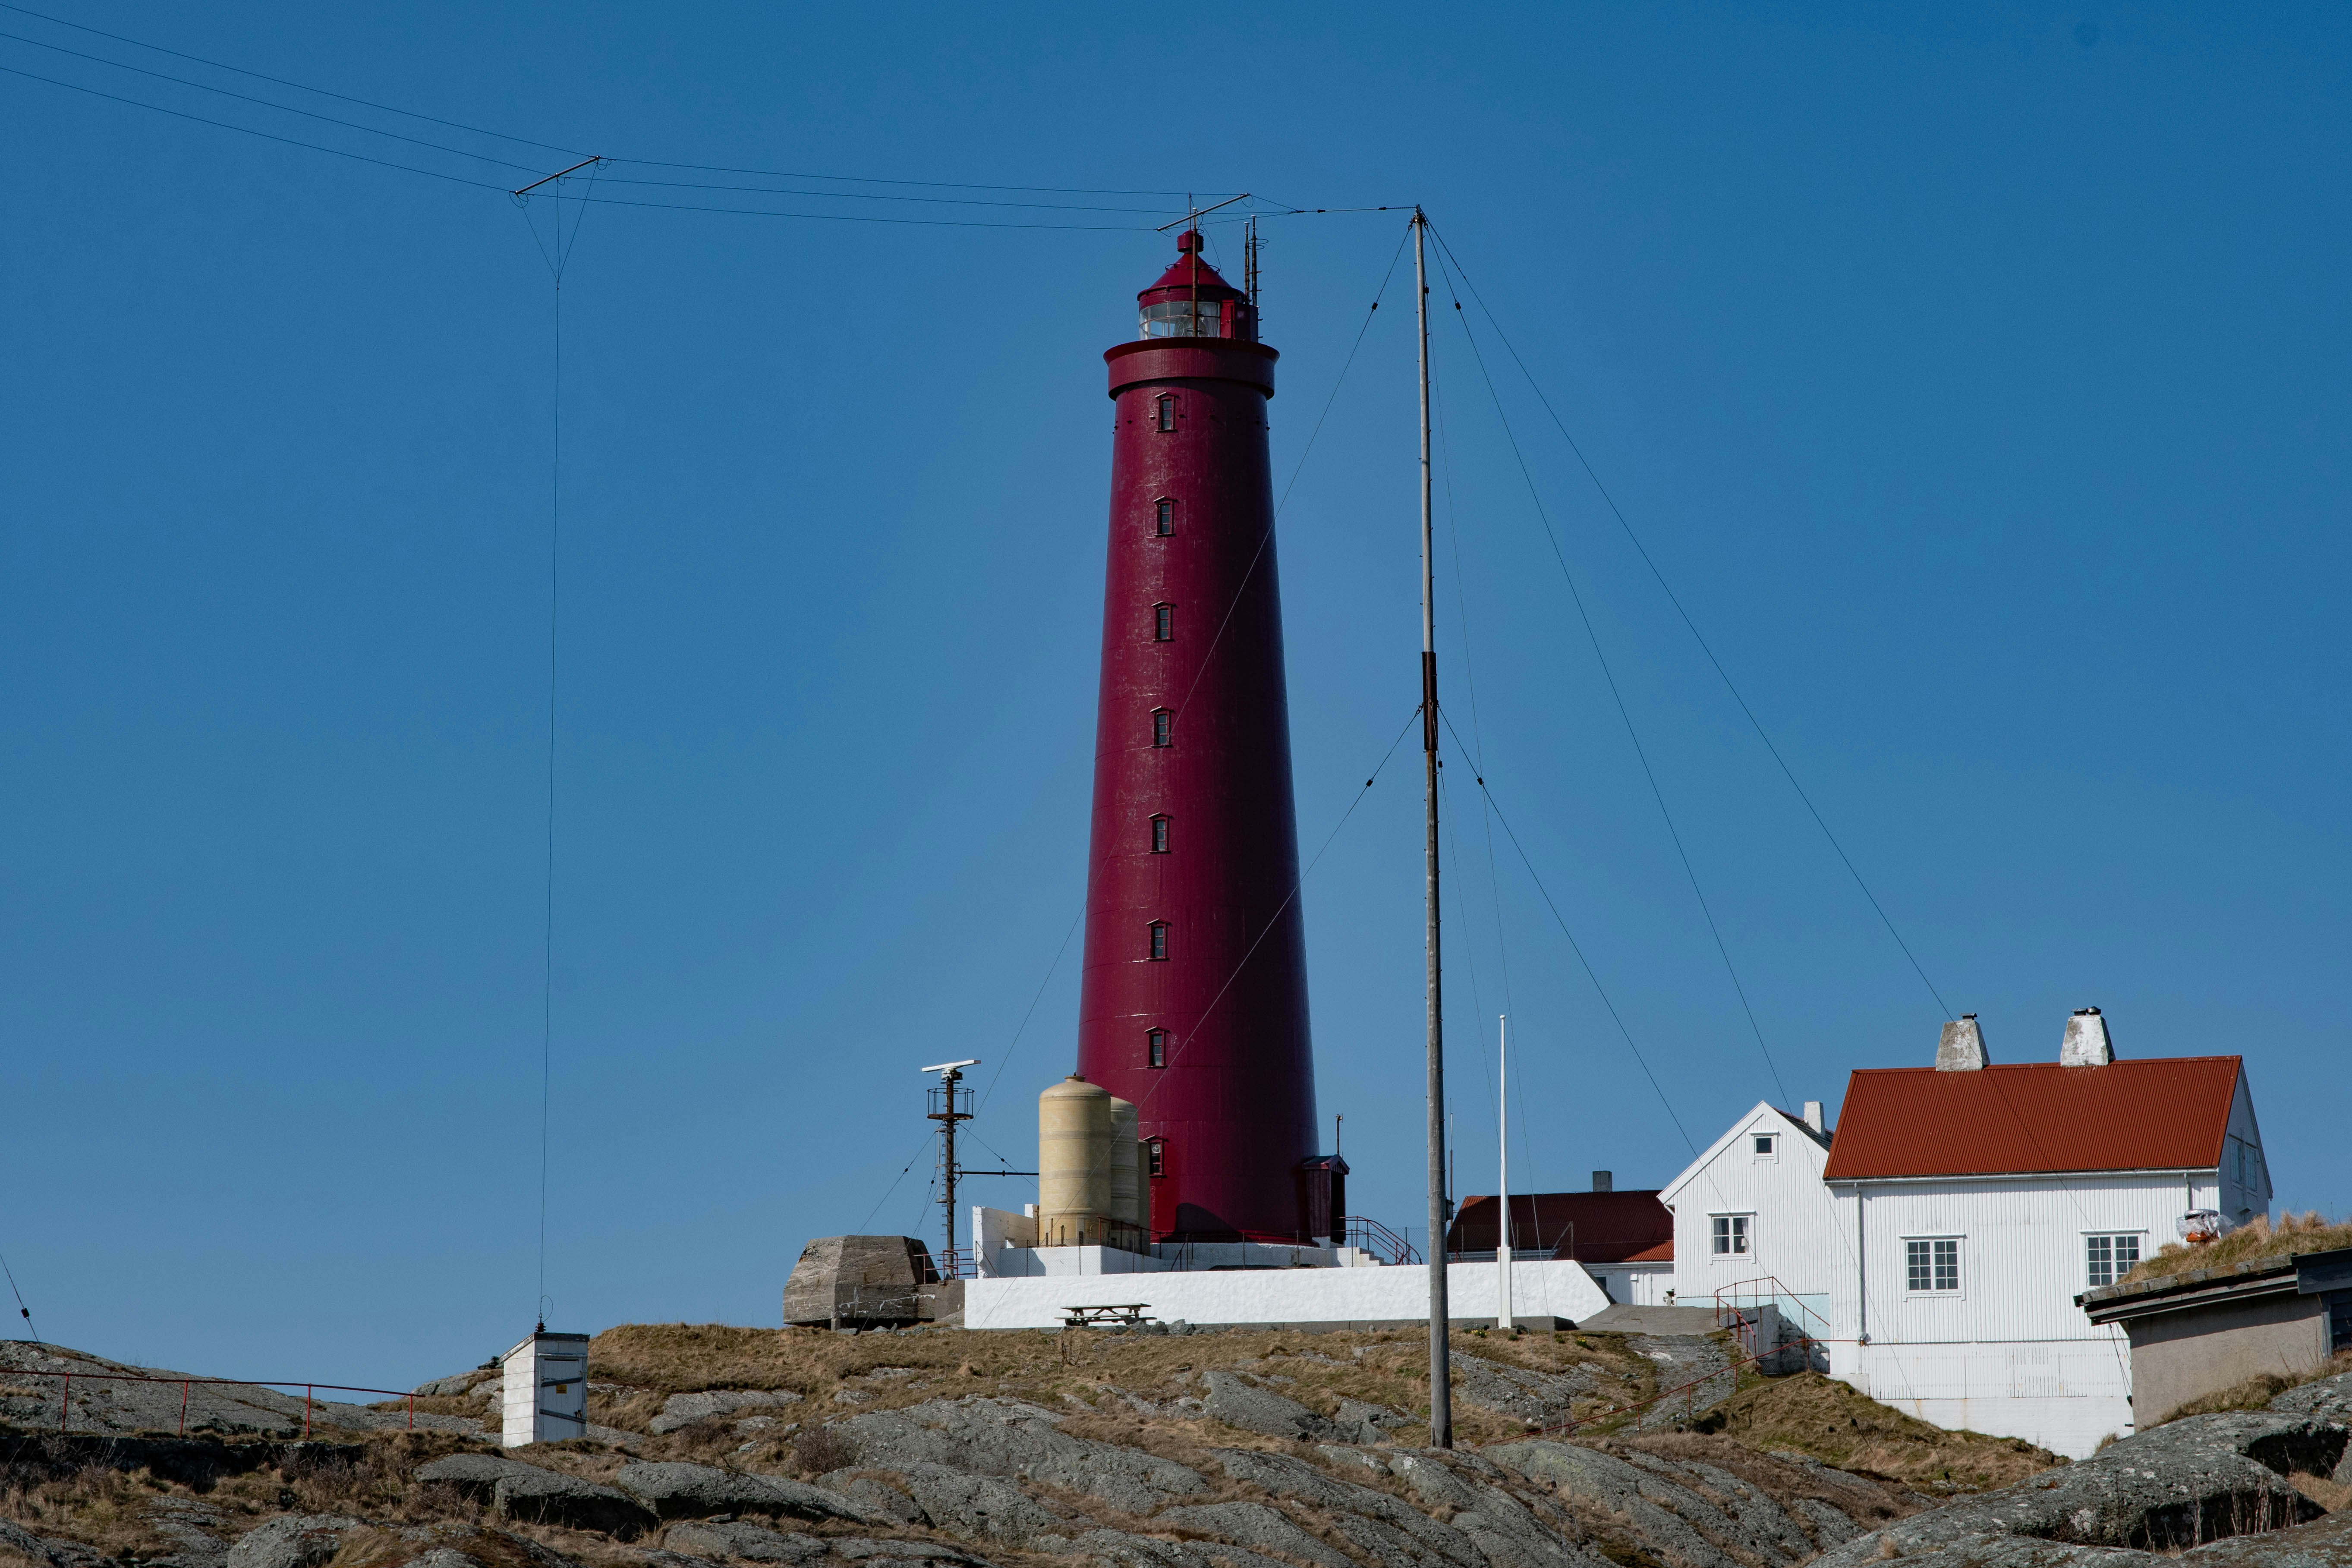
{"x":1737,"y":1306}
{"x":188,"y":1385}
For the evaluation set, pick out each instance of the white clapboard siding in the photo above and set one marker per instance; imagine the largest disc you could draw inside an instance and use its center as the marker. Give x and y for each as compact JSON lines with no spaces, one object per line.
{"x":2009,"y":1352}
{"x":1790,"y":1235}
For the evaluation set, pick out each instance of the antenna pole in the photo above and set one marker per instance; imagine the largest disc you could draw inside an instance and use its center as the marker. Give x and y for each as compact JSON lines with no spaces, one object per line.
{"x":1503,"y":1318}
{"x":951,"y":1101}
{"x":1440,"y":1379}
{"x":947,"y":1131}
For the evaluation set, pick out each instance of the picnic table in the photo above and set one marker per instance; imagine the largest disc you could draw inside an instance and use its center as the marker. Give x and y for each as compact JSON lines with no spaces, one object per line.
{"x":1124,"y":1316}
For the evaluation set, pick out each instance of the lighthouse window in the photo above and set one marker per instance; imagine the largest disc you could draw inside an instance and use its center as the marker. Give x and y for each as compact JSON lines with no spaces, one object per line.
{"x":1158,"y":940}
{"x":1164,"y":411}
{"x":1163,"y":622}
{"x":1155,"y":1048}
{"x":1184,"y":318}
{"x":1166,"y":523}
{"x":1159,"y":836}
{"x":1156,"y":1148}
{"x":1163,"y":725}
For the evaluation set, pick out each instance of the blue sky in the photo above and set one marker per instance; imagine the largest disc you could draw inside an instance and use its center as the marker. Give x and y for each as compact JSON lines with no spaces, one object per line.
{"x":1973,"y":375}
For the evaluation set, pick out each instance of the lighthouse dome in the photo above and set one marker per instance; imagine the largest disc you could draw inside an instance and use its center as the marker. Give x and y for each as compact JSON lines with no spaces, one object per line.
{"x":1192,"y":300}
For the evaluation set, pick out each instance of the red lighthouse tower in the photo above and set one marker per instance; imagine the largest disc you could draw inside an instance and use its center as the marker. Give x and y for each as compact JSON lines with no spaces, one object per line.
{"x":1193,"y":1003}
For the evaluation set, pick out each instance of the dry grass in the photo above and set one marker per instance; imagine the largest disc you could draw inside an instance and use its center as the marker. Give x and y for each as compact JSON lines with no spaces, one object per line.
{"x":2260,"y":1238}
{"x":2256,"y":1392}
{"x":113,"y":1511}
{"x":839,"y":1375}
{"x":1814,"y":1415}
{"x":2328,"y":1493}
{"x":96,"y":1505}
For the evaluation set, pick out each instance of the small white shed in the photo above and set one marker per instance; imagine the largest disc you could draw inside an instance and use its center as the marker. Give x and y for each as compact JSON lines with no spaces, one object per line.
{"x":546,"y":1389}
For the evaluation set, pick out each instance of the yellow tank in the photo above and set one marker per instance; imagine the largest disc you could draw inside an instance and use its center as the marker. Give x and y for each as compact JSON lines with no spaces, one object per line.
{"x":1123,"y":1189}
{"x":1074,"y":1163}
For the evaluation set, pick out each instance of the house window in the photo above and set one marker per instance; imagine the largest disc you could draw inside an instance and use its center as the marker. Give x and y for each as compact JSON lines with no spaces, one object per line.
{"x":1163,"y":725}
{"x":1158,"y":940}
{"x":1155,"y":1048}
{"x":1156,"y":1151}
{"x":1165,"y":523}
{"x":1731,"y":1235}
{"x":2110,"y":1258}
{"x":1767,"y":1145}
{"x":1159,"y":836}
{"x":1933,"y":1266}
{"x":1163,"y":622}
{"x":1164,"y":413}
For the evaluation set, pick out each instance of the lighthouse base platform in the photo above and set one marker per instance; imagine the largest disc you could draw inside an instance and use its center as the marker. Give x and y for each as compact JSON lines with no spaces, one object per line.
{"x":1547,"y":1294}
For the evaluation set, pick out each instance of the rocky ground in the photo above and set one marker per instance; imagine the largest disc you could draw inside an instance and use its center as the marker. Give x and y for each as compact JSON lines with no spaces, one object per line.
{"x":2244,"y":1488}
{"x":1238,"y":1450}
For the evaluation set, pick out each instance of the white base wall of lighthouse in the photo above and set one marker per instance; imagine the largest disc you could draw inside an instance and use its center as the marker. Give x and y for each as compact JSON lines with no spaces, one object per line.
{"x":1332,"y":1298}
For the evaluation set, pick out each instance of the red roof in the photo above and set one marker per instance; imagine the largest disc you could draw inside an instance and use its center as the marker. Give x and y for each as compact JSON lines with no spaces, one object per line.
{"x":1590,"y":1227}
{"x":2168,"y":1113}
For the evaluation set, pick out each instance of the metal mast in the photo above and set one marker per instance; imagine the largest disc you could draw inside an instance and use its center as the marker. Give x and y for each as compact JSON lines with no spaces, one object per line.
{"x":949,"y":1104}
{"x":1441,"y":1380}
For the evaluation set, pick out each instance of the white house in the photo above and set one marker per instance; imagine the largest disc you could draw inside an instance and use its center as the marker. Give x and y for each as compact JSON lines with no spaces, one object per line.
{"x":1957,"y":1211}
{"x":1752,"y":1219}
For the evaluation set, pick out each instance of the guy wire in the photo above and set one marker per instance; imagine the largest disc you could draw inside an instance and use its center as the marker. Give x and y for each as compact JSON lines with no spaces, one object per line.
{"x":1573,"y":945}
{"x":1593,"y":636}
{"x":22,"y":1311}
{"x":1689,"y":625}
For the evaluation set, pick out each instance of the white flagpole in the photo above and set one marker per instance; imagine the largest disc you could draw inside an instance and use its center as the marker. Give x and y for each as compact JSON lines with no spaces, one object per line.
{"x":1503,"y":1319}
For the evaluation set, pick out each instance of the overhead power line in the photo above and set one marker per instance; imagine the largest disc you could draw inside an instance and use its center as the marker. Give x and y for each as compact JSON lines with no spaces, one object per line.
{"x":611,"y":201}
{"x":877,"y":180}
{"x":263,"y":102}
{"x":278,"y":80}
{"x":382,"y":108}
{"x":249,"y":131}
{"x":502,"y":189}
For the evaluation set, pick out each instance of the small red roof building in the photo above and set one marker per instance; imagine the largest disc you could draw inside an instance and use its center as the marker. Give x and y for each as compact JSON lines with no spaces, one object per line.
{"x":1589,"y":1227}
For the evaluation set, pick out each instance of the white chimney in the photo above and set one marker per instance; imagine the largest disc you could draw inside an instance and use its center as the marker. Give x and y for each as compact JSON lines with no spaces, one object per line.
{"x":1813,"y":1117}
{"x":1605,"y":1181}
{"x":2086,"y":1043}
{"x":1963,"y":1046}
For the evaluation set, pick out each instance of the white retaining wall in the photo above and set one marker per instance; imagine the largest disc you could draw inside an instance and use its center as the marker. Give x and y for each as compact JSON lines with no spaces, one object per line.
{"x":1332,"y":1298}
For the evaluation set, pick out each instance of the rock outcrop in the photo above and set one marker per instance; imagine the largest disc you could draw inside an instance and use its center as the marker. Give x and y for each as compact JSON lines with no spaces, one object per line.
{"x":2206,"y":1484}
{"x":1008,"y":1438}
{"x":698,"y":1491}
{"x":686,"y":1409}
{"x":292,"y":1541}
